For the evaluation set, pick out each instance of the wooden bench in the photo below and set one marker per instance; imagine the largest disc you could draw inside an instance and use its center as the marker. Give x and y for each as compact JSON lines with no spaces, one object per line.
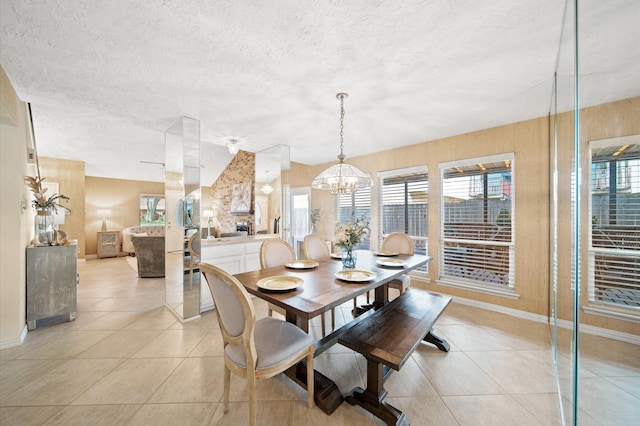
{"x":388,"y":337}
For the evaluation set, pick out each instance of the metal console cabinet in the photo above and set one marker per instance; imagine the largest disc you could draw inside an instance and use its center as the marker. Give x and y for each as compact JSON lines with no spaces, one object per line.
{"x":108,"y":244}
{"x":52,"y":278}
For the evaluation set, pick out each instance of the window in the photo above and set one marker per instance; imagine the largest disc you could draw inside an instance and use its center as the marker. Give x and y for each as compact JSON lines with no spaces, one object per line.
{"x":404,"y":204}
{"x":300,"y":213}
{"x":357,"y":204}
{"x":614,"y":250}
{"x":477,"y":241}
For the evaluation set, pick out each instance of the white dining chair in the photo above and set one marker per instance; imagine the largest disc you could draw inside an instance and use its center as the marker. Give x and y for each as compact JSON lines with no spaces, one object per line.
{"x":314,"y":248}
{"x":403,"y":244}
{"x":254,"y":349}
{"x":275,"y":252}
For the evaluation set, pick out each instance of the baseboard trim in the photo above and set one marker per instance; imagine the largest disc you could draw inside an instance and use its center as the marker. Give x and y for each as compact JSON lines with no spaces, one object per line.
{"x":584,"y":328}
{"x":12,"y":343}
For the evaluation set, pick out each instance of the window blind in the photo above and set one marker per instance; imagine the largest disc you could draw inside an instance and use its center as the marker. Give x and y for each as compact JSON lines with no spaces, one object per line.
{"x":404,"y":206}
{"x":614,"y":261}
{"x":357,"y":204}
{"x":477,"y":212}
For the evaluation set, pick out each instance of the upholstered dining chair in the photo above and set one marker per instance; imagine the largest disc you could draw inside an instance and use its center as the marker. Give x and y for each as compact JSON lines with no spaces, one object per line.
{"x":193,"y":247}
{"x":403,"y":244}
{"x":275,"y":252}
{"x":254,"y":349}
{"x":314,"y":248}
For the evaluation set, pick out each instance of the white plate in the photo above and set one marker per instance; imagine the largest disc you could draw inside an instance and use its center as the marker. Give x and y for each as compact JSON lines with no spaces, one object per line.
{"x":302,"y":264}
{"x":336,"y":255}
{"x":279,"y":283}
{"x":396,"y":263}
{"x":355,"y":275}
{"x":387,"y":253}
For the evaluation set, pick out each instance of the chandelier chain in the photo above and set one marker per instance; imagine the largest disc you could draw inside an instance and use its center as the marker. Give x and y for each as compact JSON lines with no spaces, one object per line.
{"x":341,"y":125}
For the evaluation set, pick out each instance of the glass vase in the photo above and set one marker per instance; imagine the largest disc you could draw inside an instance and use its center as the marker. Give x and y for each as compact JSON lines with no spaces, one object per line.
{"x":349,"y":258}
{"x":44,"y":228}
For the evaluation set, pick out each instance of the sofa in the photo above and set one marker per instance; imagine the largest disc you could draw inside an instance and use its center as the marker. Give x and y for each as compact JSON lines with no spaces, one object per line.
{"x":139,"y":231}
{"x":150,"y":256}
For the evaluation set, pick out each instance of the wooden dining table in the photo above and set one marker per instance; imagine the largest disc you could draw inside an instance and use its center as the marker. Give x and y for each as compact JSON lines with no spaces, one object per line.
{"x":320,"y":291}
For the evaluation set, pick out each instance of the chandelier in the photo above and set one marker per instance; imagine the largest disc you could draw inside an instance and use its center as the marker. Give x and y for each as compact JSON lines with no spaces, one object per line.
{"x":342,"y":178}
{"x":233,"y":146}
{"x":266,"y":187}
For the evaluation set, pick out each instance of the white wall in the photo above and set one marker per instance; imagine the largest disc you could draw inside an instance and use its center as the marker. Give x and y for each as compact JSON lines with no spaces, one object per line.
{"x":15,"y":220}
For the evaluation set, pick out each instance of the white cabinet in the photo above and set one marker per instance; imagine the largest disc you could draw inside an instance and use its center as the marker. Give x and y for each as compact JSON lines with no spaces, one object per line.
{"x":234,"y":258}
{"x":252,"y":257}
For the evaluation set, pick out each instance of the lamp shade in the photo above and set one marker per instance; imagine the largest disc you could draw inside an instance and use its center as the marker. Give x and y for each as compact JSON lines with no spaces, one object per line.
{"x":342,"y":178}
{"x":104,"y":213}
{"x":207,"y":213}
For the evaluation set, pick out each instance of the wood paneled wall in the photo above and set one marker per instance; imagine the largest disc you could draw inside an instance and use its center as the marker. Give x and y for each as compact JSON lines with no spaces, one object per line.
{"x":122,"y":197}
{"x":69,"y":175}
{"x":529,"y":141}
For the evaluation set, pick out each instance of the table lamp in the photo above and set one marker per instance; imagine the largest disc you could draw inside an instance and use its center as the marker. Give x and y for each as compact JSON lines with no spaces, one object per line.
{"x":105,"y":213}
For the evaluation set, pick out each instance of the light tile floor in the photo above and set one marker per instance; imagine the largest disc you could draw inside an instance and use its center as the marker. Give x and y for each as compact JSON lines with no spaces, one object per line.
{"x":127,"y":360}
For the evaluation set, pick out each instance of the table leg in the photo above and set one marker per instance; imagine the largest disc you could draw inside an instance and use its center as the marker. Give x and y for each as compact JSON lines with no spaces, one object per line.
{"x":372,"y":398}
{"x":326,"y":393}
{"x":440,"y":343}
{"x":327,"y":396}
{"x":381,"y":299}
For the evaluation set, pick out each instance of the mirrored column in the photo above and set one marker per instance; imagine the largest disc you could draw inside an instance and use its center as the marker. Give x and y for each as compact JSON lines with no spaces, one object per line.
{"x":182,"y":233}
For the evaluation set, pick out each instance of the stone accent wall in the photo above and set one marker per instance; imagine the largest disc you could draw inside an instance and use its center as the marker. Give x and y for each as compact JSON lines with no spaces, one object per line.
{"x":240,"y":170}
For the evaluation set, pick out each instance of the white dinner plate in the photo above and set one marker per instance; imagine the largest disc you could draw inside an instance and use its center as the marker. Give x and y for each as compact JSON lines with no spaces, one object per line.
{"x":336,"y":255}
{"x":387,"y":253}
{"x":355,"y":275}
{"x":396,"y":263}
{"x":302,"y":264}
{"x":279,"y":283}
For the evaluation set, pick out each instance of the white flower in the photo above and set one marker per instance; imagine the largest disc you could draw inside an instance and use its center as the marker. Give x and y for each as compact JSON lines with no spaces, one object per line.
{"x":351,"y":234}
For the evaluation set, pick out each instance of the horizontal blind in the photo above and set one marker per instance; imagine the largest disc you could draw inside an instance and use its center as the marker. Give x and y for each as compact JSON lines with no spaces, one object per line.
{"x":357,"y":204}
{"x":615,"y":220}
{"x":477,"y":211}
{"x":404,"y":204}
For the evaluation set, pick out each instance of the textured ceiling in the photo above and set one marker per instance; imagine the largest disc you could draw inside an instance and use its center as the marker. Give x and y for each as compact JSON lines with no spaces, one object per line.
{"x":106,"y":79}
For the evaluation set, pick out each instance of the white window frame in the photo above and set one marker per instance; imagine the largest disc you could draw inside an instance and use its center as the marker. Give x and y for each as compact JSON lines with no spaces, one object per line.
{"x":422,"y":169}
{"x":468,"y":281}
{"x":598,"y":303}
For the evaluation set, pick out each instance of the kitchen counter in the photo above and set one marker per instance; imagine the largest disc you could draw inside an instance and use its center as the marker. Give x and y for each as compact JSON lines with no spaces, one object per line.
{"x":237,"y":240}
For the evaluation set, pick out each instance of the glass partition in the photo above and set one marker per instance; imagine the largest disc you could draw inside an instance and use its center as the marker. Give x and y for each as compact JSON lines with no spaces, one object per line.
{"x":594,"y":103}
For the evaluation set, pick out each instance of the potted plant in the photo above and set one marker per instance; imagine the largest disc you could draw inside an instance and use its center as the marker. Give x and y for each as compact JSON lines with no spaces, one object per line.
{"x":314,"y":217}
{"x":44,"y":206}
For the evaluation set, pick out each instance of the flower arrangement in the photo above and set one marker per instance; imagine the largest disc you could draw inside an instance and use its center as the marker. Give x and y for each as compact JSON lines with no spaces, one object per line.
{"x":40,"y":200}
{"x":352,"y":233}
